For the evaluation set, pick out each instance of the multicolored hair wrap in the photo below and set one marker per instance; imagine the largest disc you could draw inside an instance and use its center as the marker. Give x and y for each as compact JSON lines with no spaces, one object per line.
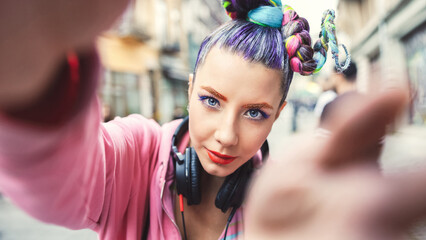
{"x":268,"y":12}
{"x":266,"y":16}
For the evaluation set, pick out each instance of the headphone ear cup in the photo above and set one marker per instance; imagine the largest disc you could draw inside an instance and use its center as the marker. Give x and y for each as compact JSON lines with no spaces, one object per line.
{"x":232,"y":191}
{"x":195,"y":179}
{"x":180,"y":168}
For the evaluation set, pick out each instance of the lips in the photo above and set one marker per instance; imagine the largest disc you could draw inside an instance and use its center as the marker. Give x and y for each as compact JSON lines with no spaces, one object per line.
{"x":220,"y":158}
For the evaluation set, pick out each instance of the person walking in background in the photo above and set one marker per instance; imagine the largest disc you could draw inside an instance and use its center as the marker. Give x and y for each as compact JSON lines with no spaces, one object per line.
{"x":335,"y":85}
{"x":345,"y":81}
{"x":329,"y":94}
{"x":345,"y":84}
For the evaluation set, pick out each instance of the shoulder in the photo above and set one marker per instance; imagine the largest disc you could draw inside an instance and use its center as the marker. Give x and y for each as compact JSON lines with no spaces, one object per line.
{"x":132,"y":133}
{"x":328,"y":95}
{"x":135,"y":124}
{"x":170,"y":127}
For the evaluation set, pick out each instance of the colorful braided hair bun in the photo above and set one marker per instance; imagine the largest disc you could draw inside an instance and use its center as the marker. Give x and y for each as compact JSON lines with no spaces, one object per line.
{"x":297,"y":41}
{"x":302,"y":57}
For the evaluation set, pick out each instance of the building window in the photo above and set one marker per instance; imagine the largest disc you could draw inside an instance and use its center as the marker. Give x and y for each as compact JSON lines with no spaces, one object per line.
{"x":120,"y":94}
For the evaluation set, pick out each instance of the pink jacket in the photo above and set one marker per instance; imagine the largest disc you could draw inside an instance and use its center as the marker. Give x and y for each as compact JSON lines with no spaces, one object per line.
{"x":85,"y":174}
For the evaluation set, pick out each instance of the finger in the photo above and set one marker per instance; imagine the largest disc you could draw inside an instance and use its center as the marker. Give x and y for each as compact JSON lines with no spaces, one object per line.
{"x":360,"y":126}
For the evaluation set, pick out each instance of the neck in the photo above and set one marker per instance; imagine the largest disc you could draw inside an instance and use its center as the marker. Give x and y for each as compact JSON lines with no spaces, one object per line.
{"x":203,"y":221}
{"x":210,"y":186}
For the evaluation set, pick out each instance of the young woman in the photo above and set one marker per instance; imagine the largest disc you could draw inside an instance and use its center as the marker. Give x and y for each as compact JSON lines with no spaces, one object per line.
{"x":131,"y":178}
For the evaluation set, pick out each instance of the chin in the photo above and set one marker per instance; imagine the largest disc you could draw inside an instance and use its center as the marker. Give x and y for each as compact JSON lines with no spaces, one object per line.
{"x":216,"y":169}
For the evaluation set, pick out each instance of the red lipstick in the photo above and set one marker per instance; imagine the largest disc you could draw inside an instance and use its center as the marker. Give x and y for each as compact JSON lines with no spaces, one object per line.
{"x":220,"y":158}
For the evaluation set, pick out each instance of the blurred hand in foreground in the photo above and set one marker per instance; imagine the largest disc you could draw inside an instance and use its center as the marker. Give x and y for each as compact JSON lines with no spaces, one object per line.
{"x":37,"y":34}
{"x":332,"y":189}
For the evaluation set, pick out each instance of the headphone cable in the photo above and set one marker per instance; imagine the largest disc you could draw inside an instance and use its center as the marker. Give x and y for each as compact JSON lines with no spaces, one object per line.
{"x":229,"y":221}
{"x":183,"y":218}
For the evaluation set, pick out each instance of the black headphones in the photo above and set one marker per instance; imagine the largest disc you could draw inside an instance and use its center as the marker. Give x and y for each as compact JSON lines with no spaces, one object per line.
{"x":187,"y":172}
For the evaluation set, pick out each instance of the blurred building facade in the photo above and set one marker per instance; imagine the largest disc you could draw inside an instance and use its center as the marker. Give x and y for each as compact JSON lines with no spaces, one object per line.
{"x":149,"y":54}
{"x":388,"y":42}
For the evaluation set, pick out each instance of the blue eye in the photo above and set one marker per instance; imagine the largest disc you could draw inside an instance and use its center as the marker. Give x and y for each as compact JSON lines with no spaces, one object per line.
{"x":209,"y":101}
{"x":253,"y":113}
{"x":256,"y":114}
{"x":212,"y":102}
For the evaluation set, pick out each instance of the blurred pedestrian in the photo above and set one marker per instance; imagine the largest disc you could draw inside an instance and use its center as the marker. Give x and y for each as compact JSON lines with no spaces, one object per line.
{"x":344,"y":84}
{"x":328,"y":94}
{"x":345,"y":81}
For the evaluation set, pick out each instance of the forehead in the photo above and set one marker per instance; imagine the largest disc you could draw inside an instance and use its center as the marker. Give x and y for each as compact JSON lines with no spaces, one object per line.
{"x":231,"y":73}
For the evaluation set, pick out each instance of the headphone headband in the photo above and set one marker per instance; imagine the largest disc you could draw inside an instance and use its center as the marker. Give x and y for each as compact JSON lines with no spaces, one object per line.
{"x":180,"y":131}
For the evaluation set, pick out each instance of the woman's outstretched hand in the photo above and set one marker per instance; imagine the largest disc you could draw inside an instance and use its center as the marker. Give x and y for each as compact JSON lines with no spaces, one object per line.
{"x":332,"y":188}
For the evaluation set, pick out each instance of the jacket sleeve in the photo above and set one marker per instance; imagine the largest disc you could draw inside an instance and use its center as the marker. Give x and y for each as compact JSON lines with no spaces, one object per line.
{"x":80,"y":174}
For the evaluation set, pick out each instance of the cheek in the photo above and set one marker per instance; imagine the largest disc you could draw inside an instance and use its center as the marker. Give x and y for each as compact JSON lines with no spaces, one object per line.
{"x":198,"y":125}
{"x":252,"y":138}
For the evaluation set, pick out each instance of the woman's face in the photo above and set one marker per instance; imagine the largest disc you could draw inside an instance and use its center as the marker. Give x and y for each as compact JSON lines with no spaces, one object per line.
{"x":233,"y":104}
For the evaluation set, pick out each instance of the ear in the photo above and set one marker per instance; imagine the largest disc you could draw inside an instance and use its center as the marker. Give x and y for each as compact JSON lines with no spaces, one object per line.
{"x":279,"y":110}
{"x":190,"y":78}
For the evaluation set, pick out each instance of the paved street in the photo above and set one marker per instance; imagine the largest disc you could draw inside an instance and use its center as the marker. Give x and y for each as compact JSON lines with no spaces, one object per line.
{"x":404,"y":151}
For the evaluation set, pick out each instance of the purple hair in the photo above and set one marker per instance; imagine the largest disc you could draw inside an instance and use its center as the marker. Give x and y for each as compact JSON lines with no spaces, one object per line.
{"x":254,"y":43}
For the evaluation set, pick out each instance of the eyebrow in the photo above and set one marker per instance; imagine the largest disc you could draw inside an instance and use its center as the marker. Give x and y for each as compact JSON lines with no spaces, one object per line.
{"x":214,"y":93}
{"x":258,"y":106}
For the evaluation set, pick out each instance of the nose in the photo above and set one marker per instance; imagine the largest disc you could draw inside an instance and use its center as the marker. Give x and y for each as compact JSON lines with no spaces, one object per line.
{"x":227,"y":132}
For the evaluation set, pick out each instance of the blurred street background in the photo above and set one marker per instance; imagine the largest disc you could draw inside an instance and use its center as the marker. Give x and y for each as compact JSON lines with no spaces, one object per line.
{"x":151,"y":50}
